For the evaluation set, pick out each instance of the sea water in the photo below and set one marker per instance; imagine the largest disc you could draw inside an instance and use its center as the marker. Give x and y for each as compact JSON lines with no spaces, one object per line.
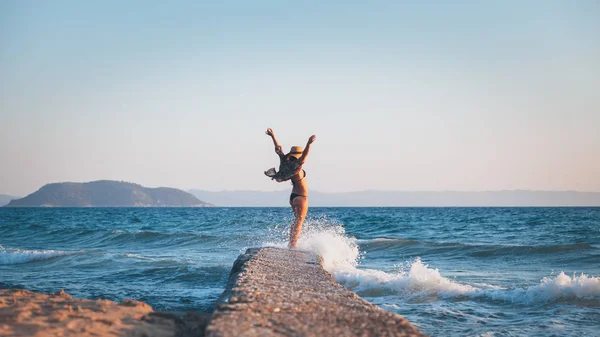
{"x":450,"y":271}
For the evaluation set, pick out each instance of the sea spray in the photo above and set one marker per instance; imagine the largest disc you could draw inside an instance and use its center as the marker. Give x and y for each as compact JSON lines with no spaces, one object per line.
{"x":339,"y":251}
{"x":561,"y":288}
{"x":341,"y":256}
{"x":562,"y":285}
{"x":417,"y":281}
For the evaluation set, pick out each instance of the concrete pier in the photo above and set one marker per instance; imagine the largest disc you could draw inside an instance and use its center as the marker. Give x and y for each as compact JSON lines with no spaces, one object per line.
{"x":280,"y":292}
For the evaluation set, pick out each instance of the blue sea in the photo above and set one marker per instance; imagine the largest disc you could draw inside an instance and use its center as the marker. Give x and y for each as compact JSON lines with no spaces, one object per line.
{"x":450,"y":271}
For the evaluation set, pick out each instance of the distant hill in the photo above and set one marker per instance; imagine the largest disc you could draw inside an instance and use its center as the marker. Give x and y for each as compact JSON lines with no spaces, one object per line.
{"x":106,"y":193}
{"x":404,"y":199}
{"x":5,"y":199}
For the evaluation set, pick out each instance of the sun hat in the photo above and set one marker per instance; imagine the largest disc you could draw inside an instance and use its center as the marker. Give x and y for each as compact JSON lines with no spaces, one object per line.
{"x":296,"y":151}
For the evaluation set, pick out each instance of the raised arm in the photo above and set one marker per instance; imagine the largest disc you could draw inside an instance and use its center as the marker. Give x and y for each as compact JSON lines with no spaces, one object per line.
{"x":278,"y":149}
{"x":307,"y":149}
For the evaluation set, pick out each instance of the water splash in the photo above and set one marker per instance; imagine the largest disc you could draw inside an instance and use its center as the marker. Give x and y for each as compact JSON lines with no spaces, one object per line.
{"x":417,"y":281}
{"x":550,"y":289}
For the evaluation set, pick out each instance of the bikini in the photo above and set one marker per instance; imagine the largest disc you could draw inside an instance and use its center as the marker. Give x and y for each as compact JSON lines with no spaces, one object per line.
{"x":294,"y":195}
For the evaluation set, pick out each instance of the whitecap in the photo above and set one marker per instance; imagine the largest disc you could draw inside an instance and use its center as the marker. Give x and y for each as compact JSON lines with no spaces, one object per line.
{"x":375,"y":240}
{"x":16,"y":256}
{"x":560,"y":287}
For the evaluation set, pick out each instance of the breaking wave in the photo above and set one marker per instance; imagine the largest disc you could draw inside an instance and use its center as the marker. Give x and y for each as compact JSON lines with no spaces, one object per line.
{"x":416,"y":280}
{"x":16,"y":256}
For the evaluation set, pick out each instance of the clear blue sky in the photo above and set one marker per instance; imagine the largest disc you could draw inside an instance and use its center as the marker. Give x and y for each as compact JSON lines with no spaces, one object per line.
{"x":426,"y":95}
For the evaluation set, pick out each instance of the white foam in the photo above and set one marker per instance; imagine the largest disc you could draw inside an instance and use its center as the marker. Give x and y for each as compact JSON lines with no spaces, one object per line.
{"x":561,"y":287}
{"x":341,"y":258}
{"x":16,"y":256}
{"x":367,"y":241}
{"x":415,"y":280}
{"x":137,"y":256}
{"x":339,"y":252}
{"x":487,"y":334}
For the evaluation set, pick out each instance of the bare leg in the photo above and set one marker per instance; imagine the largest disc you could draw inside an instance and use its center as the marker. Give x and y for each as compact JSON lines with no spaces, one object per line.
{"x":300,"y":208}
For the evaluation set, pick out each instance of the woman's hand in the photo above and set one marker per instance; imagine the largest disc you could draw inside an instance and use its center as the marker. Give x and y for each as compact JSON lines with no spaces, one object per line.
{"x":270,"y":132}
{"x":312,"y":139}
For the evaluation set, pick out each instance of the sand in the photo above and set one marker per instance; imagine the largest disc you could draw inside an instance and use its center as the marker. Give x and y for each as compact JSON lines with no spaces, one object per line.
{"x":27,"y":313}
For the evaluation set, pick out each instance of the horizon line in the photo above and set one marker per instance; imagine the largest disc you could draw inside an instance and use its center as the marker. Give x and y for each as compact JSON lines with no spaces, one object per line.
{"x":404,"y":191}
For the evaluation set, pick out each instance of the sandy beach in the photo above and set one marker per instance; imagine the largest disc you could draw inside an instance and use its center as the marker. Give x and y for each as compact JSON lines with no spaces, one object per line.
{"x":27,"y":313}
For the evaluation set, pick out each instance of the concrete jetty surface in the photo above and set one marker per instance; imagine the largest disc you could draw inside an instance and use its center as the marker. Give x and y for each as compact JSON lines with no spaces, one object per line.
{"x":281,"y":292}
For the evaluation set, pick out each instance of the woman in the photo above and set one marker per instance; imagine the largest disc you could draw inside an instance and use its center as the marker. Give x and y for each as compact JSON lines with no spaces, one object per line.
{"x":290,"y":168}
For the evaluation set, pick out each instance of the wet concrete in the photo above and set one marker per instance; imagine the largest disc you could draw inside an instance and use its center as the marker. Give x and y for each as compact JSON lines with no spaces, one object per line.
{"x":281,"y":292}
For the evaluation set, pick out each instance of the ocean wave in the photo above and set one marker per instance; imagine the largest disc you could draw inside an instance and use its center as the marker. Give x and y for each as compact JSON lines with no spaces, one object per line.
{"x":484,"y":251}
{"x":109,"y":237}
{"x":17,"y":256}
{"x":562,"y":287}
{"x":377,"y":240}
{"x":472,"y":249}
{"x":137,"y":234}
{"x":417,"y":281}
